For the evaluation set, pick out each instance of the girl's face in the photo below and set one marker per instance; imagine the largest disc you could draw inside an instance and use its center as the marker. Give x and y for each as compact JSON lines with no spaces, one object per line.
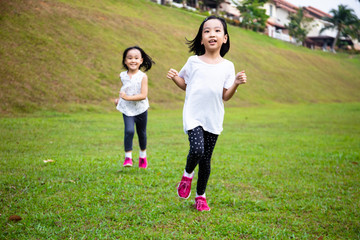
{"x":213,"y":35}
{"x":133,"y":59}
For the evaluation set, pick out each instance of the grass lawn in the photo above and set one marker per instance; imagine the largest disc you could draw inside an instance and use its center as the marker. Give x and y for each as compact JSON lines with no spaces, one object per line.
{"x":282,"y":172}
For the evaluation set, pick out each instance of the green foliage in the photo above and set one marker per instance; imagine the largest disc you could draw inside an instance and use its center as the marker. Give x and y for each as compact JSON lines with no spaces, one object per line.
{"x":253,"y":16}
{"x":353,"y":30}
{"x":342,"y":18}
{"x":279,"y":172}
{"x":299,"y":25}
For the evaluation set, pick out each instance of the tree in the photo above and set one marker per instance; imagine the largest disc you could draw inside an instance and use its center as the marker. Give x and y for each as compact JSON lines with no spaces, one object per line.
{"x":341,"y":19}
{"x":353,"y":30}
{"x":214,"y":4}
{"x":299,"y":25}
{"x":253,"y":17}
{"x":218,"y":2}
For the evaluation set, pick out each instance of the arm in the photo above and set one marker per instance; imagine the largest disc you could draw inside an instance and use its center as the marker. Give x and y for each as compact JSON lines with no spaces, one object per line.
{"x":138,"y":97}
{"x":116,"y":100}
{"x":174,"y":75}
{"x":239,"y":79}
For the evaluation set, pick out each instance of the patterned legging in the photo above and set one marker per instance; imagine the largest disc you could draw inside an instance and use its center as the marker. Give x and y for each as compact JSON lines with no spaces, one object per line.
{"x":202,"y":144}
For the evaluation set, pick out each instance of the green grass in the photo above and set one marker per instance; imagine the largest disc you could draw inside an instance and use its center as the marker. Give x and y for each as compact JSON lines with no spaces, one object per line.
{"x":290,"y":171}
{"x":66,"y":55}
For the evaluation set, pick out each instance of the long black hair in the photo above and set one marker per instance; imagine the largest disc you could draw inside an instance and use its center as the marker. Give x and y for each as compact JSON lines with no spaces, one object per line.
{"x":197,"y":48}
{"x":147,"y":61}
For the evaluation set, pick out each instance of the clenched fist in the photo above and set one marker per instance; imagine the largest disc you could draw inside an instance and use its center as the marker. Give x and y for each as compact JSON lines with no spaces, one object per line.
{"x":240,"y":78}
{"x":172,"y":73}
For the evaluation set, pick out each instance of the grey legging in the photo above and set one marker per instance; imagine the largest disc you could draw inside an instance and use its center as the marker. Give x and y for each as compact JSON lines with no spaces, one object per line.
{"x":129,"y":131}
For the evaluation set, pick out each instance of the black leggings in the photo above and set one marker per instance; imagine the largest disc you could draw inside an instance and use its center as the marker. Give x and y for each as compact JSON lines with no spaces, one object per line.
{"x":202,"y":144}
{"x":129,"y":122}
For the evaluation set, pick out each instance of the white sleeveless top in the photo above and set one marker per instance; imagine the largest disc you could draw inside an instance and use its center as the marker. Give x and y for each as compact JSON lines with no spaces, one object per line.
{"x":132,"y":86}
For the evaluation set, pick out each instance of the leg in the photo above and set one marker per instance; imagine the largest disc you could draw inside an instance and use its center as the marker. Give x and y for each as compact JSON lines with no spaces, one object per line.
{"x":205,"y":162}
{"x":196,"y":142}
{"x":128,"y":132}
{"x":196,"y":151}
{"x":141,"y":122}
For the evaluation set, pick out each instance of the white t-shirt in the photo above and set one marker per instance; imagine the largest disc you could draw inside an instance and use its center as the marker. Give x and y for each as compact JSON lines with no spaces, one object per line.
{"x":204,"y":90}
{"x":132,"y":86}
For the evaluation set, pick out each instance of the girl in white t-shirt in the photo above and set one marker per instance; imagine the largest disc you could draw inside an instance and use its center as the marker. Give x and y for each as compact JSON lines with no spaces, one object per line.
{"x":208,"y":80}
{"x":133,"y":101}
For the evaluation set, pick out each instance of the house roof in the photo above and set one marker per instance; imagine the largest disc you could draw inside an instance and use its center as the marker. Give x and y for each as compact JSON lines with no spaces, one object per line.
{"x":272,"y":23}
{"x":315,"y":13}
{"x":286,"y":5}
{"x":228,"y":8}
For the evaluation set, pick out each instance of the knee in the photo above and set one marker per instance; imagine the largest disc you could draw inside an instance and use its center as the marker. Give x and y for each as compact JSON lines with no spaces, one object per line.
{"x":197,"y":152}
{"x":129,"y":132}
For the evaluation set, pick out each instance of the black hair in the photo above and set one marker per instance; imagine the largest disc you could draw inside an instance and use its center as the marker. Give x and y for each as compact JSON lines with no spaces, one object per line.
{"x":197,"y":48}
{"x":147,"y":61}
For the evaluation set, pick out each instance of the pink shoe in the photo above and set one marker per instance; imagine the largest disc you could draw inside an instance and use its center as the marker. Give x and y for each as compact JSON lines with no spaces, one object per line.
{"x":128,"y":162}
{"x":184,"y":187}
{"x":201,"y":204}
{"x":143,"y":163}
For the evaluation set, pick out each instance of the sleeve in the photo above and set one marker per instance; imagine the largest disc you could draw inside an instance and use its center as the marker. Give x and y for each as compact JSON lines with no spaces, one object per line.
{"x":230,"y":76}
{"x":184,"y":72}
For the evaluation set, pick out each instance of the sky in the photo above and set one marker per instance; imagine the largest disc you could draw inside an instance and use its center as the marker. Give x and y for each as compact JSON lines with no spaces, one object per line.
{"x":327,"y":5}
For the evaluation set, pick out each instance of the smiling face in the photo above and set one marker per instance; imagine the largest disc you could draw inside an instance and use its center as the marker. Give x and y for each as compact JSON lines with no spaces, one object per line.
{"x":213,"y":35}
{"x":133,"y":60}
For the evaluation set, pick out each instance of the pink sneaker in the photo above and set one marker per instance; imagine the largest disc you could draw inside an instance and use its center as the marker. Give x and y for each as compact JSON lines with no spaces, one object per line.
{"x":184,"y":187}
{"x":127,"y":162}
{"x":143,"y":163}
{"x":201,"y":204}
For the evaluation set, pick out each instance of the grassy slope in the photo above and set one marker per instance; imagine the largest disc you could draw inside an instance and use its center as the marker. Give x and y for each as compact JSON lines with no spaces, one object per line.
{"x":65,"y":55}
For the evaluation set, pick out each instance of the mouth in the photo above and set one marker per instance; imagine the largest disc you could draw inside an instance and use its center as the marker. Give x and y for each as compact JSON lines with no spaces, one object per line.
{"x":212,"y":41}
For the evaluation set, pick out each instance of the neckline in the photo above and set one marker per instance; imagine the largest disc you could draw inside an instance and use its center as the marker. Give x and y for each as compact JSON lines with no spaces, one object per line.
{"x":127,"y":73}
{"x":211,"y":64}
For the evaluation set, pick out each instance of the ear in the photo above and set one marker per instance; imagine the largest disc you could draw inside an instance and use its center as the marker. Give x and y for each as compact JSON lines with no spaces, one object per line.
{"x":225,"y":38}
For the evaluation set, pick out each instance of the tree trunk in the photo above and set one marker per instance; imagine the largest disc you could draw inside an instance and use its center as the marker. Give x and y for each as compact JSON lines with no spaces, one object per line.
{"x":335,"y":40}
{"x":197,"y":4}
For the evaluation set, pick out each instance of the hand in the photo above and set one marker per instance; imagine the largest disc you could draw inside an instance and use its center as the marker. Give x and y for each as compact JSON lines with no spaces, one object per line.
{"x":123,"y":95}
{"x":240,"y":78}
{"x":116,"y":101}
{"x":172,"y":73}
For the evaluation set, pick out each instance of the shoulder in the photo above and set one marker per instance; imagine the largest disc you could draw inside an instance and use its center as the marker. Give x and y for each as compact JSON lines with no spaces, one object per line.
{"x":228,"y":65}
{"x":228,"y":62}
{"x":192,"y":59}
{"x":142,"y":75}
{"x":123,"y":74}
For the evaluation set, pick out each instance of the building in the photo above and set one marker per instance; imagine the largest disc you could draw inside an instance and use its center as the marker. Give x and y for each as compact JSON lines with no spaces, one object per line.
{"x":278,"y":12}
{"x":229,"y":9}
{"x":315,"y":38}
